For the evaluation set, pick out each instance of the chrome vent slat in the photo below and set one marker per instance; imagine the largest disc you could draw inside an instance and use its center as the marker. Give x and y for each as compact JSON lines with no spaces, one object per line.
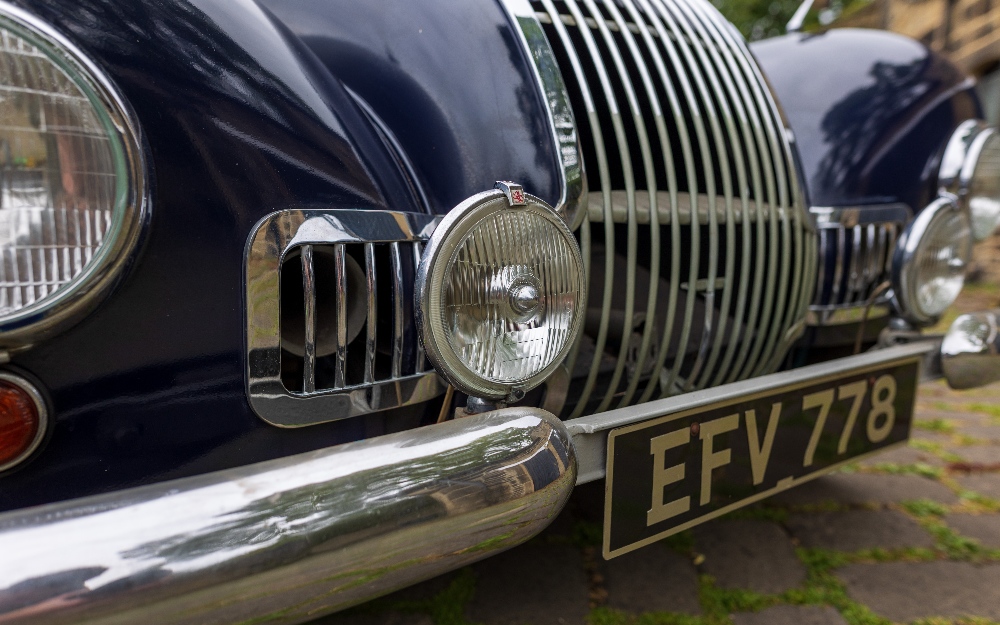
{"x":309,"y":318}
{"x":723,"y":293}
{"x":420,"y":357}
{"x":396,"y":259}
{"x":340,"y":274}
{"x":371,"y":331}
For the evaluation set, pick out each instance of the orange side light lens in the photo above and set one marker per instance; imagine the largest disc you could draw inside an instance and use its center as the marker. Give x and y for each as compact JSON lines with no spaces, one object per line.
{"x":19,"y":422}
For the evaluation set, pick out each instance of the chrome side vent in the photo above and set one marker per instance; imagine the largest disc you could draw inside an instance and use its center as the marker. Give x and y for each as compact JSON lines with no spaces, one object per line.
{"x":701,"y":256}
{"x":855,"y":252}
{"x":329,"y":299}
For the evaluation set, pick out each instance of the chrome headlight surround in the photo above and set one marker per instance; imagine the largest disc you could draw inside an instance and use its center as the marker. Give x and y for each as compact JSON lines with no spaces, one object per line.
{"x":973,"y":152}
{"x":433,"y":284}
{"x":908,"y":259}
{"x":130,"y":209}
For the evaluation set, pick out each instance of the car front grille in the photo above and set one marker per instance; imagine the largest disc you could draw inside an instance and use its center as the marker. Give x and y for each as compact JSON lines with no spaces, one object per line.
{"x":701,"y":259}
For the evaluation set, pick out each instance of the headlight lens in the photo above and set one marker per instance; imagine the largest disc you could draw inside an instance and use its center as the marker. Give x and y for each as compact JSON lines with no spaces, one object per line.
{"x":984,"y":188}
{"x":930,"y":262}
{"x":501,"y":288}
{"x":71,"y":197}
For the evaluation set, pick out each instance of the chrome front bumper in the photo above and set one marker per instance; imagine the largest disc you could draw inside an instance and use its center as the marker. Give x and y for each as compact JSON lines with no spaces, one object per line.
{"x":296,"y":538}
{"x":292,"y":539}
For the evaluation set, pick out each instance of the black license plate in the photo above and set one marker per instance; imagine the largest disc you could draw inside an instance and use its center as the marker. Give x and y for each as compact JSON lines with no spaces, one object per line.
{"x":671,"y":473}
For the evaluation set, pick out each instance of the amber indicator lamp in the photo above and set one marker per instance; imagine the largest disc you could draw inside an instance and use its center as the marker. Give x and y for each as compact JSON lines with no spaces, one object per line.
{"x":21,"y":423}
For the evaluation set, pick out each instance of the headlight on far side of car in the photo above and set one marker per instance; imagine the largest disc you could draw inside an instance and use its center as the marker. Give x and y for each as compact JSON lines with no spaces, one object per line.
{"x":500,"y":293}
{"x":970,"y":170}
{"x":928,"y":267}
{"x":72,"y":192}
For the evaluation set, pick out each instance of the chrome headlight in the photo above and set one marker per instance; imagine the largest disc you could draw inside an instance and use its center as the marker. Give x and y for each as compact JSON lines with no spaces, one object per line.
{"x":983,"y":193}
{"x":929,"y":264}
{"x":970,"y":169}
{"x":500,"y":293}
{"x":71,"y":180}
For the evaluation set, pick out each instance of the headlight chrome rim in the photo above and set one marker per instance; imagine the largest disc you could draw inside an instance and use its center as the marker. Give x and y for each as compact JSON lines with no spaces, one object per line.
{"x":131,"y":209}
{"x":904,"y":294}
{"x":440,"y":254}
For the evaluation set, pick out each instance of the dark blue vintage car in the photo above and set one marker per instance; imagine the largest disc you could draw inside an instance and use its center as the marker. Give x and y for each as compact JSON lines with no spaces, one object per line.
{"x":303,"y":301}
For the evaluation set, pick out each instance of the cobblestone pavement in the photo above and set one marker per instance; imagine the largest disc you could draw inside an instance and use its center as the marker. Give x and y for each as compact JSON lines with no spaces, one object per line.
{"x":909,"y":536}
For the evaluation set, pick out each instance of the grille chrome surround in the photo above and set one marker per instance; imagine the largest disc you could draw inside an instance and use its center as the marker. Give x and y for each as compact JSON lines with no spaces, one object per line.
{"x":858,"y":243}
{"x":673,"y":87}
{"x":399,"y":238}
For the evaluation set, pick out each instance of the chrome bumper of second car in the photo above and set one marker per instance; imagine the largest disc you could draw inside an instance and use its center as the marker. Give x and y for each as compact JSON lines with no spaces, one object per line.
{"x":290,"y":539}
{"x":970,"y":351}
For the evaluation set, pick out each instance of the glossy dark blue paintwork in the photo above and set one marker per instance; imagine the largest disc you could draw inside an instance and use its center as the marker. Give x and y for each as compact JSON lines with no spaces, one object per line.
{"x":242,"y":117}
{"x":871,"y":112}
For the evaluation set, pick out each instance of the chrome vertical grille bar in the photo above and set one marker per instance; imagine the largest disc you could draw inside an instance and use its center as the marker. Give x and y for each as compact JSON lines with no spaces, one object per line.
{"x":626,"y":162}
{"x":340,"y":373}
{"x":687,"y":73}
{"x":753,"y":134}
{"x":372,"y":322}
{"x":397,"y":309}
{"x":605,"y":181}
{"x":680,"y":125}
{"x":708,"y":322}
{"x":654,"y":216}
{"x":722,"y":81}
{"x":741,"y":241}
{"x":309,"y":307}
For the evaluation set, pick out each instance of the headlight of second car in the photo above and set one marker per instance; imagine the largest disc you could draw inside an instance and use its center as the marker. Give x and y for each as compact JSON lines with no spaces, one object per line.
{"x":930,"y":261}
{"x":983,"y":185}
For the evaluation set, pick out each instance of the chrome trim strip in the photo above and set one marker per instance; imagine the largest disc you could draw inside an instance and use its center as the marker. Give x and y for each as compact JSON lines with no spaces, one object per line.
{"x":590,"y":434}
{"x":572,"y":204}
{"x":849,"y":216}
{"x":269,"y":242}
{"x":131,"y":215}
{"x":309,"y":307}
{"x":297,"y":537}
